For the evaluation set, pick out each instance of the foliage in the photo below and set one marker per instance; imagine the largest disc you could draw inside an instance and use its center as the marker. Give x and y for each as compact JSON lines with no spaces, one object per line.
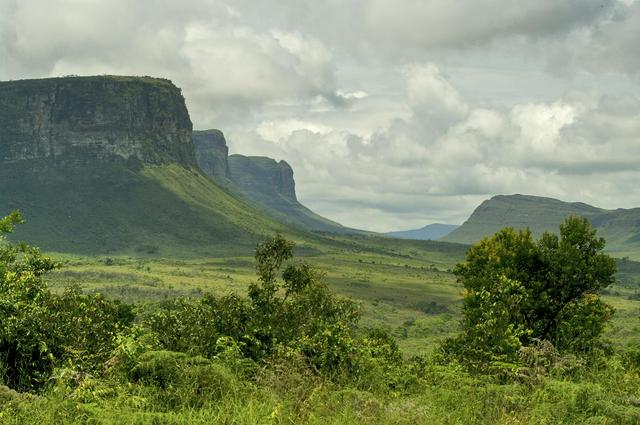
{"x":293,"y":352}
{"x":519,"y":290}
{"x":40,"y":330}
{"x":286,"y":311}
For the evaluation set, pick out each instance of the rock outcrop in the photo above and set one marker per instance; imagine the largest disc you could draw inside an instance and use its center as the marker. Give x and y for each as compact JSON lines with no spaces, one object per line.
{"x":73,"y":120}
{"x":263,"y":175}
{"x":212,"y":153}
{"x":267,"y":183}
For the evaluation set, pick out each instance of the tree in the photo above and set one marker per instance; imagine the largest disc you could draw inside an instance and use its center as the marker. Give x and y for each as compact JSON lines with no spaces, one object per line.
{"x":40,"y":330}
{"x":519,"y":290}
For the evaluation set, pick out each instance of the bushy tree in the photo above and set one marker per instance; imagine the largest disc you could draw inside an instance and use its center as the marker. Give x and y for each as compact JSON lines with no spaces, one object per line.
{"x":40,"y":330}
{"x":519,"y":290}
{"x":289,"y":309}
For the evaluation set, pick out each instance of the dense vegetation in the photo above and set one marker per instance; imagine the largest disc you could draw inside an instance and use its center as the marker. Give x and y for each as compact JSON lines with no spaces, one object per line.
{"x":291,"y":351}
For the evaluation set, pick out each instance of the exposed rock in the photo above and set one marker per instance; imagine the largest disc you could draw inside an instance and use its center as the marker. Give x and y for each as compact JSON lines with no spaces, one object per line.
{"x":267,"y":183}
{"x":263,"y":175}
{"x":74,"y":120}
{"x":212,"y":153}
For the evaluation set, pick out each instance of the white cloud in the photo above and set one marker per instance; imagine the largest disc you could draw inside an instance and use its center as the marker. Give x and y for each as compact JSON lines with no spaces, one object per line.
{"x":435,"y":165}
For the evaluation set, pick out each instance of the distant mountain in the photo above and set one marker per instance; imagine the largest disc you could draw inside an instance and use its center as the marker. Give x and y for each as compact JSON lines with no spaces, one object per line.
{"x":620,"y":227}
{"x":431,"y":232}
{"x":267,"y":183}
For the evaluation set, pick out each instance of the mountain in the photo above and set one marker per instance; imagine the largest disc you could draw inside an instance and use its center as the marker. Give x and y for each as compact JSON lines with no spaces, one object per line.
{"x":107,"y":164}
{"x":620,"y":227}
{"x":432,"y":232}
{"x":265,"y":182}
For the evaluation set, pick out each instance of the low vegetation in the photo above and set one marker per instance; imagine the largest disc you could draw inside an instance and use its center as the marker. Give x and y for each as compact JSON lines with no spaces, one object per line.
{"x":529,"y":348}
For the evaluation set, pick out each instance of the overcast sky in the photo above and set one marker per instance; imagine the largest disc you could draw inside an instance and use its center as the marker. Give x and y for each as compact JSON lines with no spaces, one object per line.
{"x":393,"y":113}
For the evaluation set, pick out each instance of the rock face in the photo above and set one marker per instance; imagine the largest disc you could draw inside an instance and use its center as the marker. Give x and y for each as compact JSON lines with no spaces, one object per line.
{"x":74,"y":120}
{"x":267,"y":183}
{"x":212,"y":153}
{"x":259,"y":174}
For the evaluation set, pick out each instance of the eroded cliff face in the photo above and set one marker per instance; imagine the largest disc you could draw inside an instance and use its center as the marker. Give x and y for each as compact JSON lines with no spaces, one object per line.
{"x":76,"y":120}
{"x":212,"y":153}
{"x":263,"y":175}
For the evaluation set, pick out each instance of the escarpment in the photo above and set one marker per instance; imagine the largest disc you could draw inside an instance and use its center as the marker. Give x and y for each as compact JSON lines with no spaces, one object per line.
{"x":259,"y":174}
{"x":267,"y":183}
{"x":212,"y":153}
{"x":77,"y":120}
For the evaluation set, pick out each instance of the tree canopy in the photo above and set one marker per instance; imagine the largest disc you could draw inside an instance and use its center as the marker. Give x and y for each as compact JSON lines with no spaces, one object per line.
{"x":519,"y":290}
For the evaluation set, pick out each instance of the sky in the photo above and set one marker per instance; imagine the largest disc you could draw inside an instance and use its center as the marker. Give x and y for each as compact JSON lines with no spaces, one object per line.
{"x":393,"y":113}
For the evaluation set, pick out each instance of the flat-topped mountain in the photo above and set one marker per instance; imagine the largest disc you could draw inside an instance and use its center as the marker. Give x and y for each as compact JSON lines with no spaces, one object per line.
{"x":212,"y":153}
{"x":620,"y":227}
{"x":267,"y":183}
{"x":106,"y":118}
{"x":260,"y":175}
{"x":107,"y":164}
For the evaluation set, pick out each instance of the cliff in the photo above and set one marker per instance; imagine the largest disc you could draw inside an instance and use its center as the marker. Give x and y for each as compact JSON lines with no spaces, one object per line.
{"x":107,"y":165}
{"x":265,"y":182}
{"x":264,"y":176}
{"x":212,"y":153}
{"x":76,"y":120}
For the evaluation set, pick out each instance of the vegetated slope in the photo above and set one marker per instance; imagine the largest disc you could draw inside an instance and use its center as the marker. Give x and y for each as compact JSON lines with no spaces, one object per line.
{"x":263,"y":181}
{"x":106,"y":164}
{"x":108,"y":208}
{"x":621,"y":228}
{"x":431,"y":232}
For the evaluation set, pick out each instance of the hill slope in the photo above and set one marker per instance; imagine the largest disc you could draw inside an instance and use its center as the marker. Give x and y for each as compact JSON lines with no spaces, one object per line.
{"x":620,"y":227}
{"x":432,"y":232}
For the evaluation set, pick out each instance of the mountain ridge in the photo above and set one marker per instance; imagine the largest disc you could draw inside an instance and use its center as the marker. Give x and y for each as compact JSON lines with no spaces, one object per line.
{"x":620,"y":227}
{"x":434,"y":231}
{"x":265,"y":182}
{"x":107,"y":164}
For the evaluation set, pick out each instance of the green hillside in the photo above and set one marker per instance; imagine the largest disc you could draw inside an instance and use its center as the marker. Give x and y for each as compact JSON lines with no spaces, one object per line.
{"x":112,"y":208}
{"x":620,"y":227}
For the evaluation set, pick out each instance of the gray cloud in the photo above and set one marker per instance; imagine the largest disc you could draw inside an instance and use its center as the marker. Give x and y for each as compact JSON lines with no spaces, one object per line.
{"x":438,"y":23}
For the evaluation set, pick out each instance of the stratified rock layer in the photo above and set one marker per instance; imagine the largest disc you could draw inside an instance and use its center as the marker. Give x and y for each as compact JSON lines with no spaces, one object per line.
{"x":75,"y":120}
{"x":259,"y":174}
{"x":212,"y":153}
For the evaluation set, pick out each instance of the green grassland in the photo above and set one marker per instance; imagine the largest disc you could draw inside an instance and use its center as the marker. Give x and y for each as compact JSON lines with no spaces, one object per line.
{"x":404,"y":286}
{"x":138,"y":244}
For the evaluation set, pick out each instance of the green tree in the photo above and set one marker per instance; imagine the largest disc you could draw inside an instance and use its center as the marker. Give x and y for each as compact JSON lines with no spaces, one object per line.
{"x":519,"y":290}
{"x":40,"y":330}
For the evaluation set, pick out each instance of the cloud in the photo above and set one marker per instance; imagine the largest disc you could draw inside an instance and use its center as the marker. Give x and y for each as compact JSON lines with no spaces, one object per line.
{"x":225,"y":66}
{"x":447,"y":156}
{"x":446,"y":23}
{"x":392,"y":115}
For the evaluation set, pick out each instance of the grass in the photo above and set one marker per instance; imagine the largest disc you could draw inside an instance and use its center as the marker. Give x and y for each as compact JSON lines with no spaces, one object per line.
{"x":403,"y":286}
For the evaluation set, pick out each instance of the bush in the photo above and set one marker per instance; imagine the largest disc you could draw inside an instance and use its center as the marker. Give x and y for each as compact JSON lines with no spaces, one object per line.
{"x":39,"y":330}
{"x":519,"y":290}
